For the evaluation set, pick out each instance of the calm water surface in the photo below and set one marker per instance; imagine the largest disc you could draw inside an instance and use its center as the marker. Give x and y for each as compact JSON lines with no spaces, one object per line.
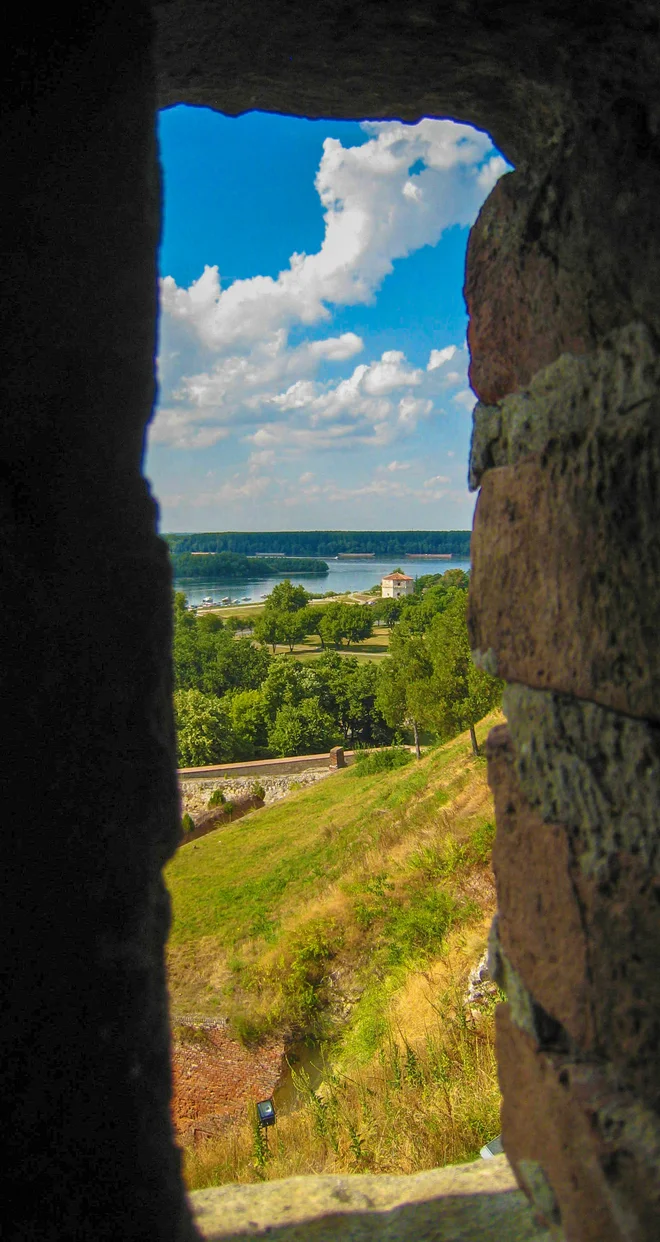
{"x":343,"y":576}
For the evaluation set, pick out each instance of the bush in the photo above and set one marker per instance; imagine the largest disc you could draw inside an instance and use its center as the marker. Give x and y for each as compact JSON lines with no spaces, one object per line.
{"x":217,"y":798}
{"x":258,"y":791}
{"x":187,"y":823}
{"x":369,"y":762}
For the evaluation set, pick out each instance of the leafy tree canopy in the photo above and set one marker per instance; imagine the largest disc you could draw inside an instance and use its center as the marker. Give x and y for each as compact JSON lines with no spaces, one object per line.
{"x":462,"y":693}
{"x":203,"y":729}
{"x":404,"y":683}
{"x":285,"y":597}
{"x":305,"y":729}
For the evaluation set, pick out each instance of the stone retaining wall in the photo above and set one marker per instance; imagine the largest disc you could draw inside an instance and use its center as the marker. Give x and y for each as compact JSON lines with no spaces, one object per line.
{"x":195,"y":794}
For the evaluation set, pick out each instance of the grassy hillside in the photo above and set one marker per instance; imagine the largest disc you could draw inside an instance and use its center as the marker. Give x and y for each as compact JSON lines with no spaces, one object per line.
{"x":351,"y":912}
{"x":280,"y":917}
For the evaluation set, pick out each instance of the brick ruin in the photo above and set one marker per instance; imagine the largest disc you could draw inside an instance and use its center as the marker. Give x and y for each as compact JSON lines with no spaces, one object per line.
{"x":563,"y":290}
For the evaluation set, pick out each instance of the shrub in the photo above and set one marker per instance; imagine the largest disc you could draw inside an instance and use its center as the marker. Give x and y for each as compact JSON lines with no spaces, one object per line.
{"x":370,"y":762}
{"x":258,"y":791}
{"x":217,"y":798}
{"x":187,"y":823}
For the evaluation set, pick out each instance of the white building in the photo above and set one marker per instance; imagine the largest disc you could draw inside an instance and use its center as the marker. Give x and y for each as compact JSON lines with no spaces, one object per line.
{"x":393,"y":586}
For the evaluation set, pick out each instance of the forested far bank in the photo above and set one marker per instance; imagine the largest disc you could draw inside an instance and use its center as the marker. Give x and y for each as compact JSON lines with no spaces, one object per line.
{"x":232,"y":565}
{"x":322,"y":543}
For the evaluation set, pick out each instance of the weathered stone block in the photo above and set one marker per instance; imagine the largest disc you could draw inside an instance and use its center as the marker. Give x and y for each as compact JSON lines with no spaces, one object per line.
{"x":460,"y":1203}
{"x":559,"y":600}
{"x":524,"y":312}
{"x":588,"y":767}
{"x":586,"y":1154}
{"x":539,"y":922}
{"x":580,"y":906}
{"x":612,"y":388}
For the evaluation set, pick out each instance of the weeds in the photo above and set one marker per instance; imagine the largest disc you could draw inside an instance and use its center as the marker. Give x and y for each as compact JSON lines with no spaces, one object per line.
{"x":412,"y":1107}
{"x":386,"y":760}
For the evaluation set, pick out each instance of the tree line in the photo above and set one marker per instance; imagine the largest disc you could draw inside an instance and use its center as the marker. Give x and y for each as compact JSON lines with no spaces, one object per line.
{"x":228,"y":565}
{"x":234,"y":699}
{"x":324,"y":542}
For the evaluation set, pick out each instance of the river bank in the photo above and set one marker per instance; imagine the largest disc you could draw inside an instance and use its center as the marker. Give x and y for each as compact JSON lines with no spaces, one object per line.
{"x":342,"y":577}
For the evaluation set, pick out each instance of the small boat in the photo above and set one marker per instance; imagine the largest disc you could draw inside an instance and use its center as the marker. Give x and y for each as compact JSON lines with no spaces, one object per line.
{"x":226,"y":599}
{"x":208,"y":599}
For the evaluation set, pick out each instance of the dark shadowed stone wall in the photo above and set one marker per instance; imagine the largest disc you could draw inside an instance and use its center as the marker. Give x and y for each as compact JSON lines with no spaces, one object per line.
{"x":89,"y":791}
{"x":563,"y":288}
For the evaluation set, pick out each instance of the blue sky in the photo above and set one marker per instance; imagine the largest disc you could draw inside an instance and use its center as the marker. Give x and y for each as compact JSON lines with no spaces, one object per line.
{"x":312,"y":363}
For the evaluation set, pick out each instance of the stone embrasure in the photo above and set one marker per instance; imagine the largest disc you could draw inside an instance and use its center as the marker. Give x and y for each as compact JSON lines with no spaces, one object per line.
{"x":461,"y":1203}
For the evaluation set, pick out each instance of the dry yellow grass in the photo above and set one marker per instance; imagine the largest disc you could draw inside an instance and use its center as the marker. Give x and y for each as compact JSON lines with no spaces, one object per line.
{"x":421,"y":1102}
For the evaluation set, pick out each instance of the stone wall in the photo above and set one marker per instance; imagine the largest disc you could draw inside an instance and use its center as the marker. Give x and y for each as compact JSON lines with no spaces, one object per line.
{"x":566,"y":566}
{"x":563,"y":292}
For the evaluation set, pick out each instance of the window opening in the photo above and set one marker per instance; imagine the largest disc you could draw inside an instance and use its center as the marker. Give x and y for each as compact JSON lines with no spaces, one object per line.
{"x":314,"y":404}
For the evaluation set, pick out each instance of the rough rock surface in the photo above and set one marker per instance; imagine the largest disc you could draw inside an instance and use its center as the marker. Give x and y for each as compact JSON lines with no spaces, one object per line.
{"x":511,"y":285}
{"x":590,"y":768}
{"x":584,"y":930}
{"x":463,"y":1203}
{"x":614,"y":389}
{"x":558,"y":601}
{"x":539,"y":924}
{"x":587,"y":1154}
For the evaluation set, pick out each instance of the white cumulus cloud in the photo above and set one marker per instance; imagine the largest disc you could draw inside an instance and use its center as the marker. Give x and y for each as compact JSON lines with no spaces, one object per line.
{"x":226,"y":364}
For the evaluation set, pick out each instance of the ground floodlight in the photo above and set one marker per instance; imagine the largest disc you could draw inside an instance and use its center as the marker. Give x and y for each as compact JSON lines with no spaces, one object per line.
{"x":494,"y":1148}
{"x":266,"y":1113}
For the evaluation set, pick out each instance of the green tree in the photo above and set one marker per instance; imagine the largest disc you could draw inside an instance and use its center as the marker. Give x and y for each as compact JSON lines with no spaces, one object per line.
{"x":358,"y":622}
{"x":186,"y":654}
{"x":462,"y":693}
{"x":348,"y":692}
{"x":404,"y":694}
{"x":203,"y":729}
{"x":313,"y":617}
{"x":248,"y":720}
{"x":285,"y":597}
{"x":387,"y":610}
{"x":294,"y":626}
{"x":303,"y":729}
{"x":288,"y":682}
{"x":331,"y":625}
{"x":341,"y":621}
{"x":268,"y":628}
{"x":230,"y":663}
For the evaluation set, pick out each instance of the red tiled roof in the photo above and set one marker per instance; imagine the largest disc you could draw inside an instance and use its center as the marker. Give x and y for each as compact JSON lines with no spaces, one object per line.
{"x":397,"y":578}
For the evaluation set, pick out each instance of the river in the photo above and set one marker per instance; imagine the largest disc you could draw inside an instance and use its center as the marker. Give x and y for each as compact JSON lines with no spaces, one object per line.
{"x":342,"y":576}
